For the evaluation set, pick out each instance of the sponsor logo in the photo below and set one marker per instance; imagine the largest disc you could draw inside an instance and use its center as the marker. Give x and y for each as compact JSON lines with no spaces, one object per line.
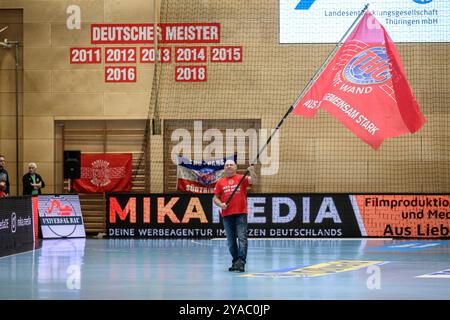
{"x":318,"y":270}
{"x":261,"y":209}
{"x":13,"y":222}
{"x":444,"y":274}
{"x":4,"y":224}
{"x":59,"y":213}
{"x":304,"y":4}
{"x":370,"y":66}
{"x":64,"y":210}
{"x":59,"y":216}
{"x":24,"y":222}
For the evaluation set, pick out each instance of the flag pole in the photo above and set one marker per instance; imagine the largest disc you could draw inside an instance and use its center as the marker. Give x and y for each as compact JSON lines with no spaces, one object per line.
{"x":299,"y":97}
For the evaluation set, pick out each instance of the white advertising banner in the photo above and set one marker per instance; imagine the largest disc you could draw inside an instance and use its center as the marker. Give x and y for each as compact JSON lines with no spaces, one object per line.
{"x":325,"y":21}
{"x":60,"y":216}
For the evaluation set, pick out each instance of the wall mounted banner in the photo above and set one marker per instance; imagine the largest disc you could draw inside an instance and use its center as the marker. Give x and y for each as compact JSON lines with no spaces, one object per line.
{"x":322,"y":21}
{"x":172,"y":39}
{"x":60,"y":216}
{"x":281,"y":216}
{"x":18,"y":225}
{"x":104,"y":172}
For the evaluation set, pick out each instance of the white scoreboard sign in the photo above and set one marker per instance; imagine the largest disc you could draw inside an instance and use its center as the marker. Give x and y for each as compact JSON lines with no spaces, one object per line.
{"x":325,"y":21}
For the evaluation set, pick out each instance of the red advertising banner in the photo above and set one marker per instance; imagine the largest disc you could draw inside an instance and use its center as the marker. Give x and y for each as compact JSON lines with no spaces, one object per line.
{"x":103,"y":172}
{"x":405,"y":216}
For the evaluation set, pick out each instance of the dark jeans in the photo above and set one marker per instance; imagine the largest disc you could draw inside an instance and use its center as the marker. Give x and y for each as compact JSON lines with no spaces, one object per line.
{"x":236,"y":231}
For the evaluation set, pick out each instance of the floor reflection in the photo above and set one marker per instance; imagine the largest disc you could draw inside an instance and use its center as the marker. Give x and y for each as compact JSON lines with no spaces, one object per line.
{"x":59,"y":266}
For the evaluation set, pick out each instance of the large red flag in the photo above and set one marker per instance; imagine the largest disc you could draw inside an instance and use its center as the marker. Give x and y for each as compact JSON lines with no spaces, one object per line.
{"x":364,"y":86}
{"x":103,"y":172}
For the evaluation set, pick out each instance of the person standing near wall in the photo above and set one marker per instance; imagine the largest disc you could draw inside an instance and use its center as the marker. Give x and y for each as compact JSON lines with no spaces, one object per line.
{"x":3,"y":194}
{"x":4,"y":177}
{"x":32,"y":182}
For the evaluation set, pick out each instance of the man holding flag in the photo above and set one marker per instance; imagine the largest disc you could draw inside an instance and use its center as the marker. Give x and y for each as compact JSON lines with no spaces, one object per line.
{"x":364,"y":86}
{"x":234,"y":213}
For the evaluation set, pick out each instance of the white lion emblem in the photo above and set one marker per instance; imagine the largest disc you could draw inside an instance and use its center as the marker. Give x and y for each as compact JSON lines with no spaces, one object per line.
{"x":100,"y":173}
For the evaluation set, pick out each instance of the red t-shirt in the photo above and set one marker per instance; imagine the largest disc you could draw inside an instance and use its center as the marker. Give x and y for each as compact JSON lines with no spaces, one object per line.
{"x":225,"y":187}
{"x":3,"y":194}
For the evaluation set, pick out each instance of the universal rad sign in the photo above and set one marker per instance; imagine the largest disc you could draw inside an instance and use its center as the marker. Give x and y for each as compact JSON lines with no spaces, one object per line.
{"x":322,"y":21}
{"x":60,"y":216}
{"x":195,"y":216}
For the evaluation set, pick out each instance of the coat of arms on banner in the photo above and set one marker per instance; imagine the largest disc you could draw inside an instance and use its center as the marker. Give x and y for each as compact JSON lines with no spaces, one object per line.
{"x":100,"y":173}
{"x":199,"y":176}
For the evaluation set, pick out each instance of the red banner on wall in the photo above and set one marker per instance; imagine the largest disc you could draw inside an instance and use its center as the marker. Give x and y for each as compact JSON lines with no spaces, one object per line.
{"x":102,"y":172}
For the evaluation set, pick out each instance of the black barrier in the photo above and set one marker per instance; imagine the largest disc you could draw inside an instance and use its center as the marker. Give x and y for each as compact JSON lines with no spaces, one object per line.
{"x":195,"y":216}
{"x":16,"y":225}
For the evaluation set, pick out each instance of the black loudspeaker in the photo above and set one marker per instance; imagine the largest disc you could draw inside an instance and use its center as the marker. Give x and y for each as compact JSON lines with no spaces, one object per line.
{"x":72,"y":164}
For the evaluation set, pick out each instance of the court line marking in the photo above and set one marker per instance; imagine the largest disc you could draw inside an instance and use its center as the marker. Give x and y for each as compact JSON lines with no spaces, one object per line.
{"x":443,"y":274}
{"x":203,"y":244}
{"x":16,"y":254}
